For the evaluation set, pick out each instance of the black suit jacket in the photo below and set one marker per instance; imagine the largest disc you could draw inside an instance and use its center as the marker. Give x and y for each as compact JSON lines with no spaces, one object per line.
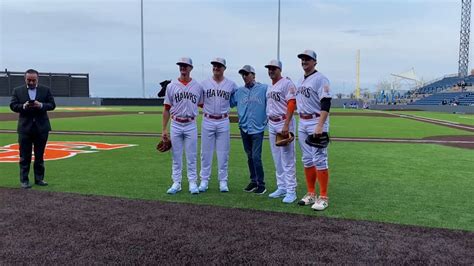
{"x":28,"y":117}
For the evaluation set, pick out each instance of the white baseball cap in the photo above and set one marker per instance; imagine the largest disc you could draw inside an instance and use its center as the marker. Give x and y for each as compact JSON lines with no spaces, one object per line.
{"x":218,"y":60}
{"x":247,"y":69}
{"x":274,"y":63}
{"x":185,"y":61}
{"x":309,"y":53}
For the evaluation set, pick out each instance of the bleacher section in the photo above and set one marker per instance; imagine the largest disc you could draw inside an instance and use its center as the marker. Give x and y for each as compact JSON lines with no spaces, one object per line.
{"x":443,"y":84}
{"x":467,"y":100}
{"x":448,"y":98}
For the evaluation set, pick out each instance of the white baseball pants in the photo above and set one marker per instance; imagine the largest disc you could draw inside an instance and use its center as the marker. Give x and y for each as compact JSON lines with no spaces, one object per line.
{"x":215,"y":134}
{"x":184,"y":136}
{"x":311,"y":156}
{"x":283,"y":158}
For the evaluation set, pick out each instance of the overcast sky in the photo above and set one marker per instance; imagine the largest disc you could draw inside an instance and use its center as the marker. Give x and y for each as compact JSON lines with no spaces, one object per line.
{"x":102,"y":38}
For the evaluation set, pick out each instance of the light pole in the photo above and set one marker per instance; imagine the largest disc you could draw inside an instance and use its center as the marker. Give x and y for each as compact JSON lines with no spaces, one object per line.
{"x":278,"y":41}
{"x":143,"y":51}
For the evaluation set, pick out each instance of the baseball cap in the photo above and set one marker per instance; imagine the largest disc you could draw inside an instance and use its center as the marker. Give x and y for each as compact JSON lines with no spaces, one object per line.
{"x":218,"y":60}
{"x":185,"y":61}
{"x":247,"y":69}
{"x":274,"y":63}
{"x":309,"y":53}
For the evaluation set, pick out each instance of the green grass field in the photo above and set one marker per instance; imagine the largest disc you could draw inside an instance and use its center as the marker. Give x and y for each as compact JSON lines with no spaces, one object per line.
{"x":341,"y":126}
{"x":413,"y":184}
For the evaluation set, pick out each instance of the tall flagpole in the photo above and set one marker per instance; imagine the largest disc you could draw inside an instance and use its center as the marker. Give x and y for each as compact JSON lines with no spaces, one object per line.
{"x":278,"y":41}
{"x":143,"y":52}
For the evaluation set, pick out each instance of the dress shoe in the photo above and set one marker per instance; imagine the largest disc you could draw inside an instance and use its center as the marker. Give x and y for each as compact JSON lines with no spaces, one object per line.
{"x":25,"y":185}
{"x":41,"y":183}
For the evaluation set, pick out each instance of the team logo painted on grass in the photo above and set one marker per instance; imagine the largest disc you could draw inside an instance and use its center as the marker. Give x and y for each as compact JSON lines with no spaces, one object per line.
{"x":57,"y":150}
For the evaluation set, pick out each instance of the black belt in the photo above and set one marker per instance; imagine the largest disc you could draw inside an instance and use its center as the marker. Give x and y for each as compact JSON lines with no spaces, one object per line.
{"x":216,"y":116}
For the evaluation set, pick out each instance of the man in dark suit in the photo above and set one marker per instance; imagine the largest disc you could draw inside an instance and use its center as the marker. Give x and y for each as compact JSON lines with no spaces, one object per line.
{"x":32,"y":103}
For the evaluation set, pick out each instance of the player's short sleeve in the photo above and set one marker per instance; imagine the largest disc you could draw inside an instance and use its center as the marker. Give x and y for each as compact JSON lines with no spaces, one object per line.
{"x":168,"y":95}
{"x":325,"y":90}
{"x":290,"y":90}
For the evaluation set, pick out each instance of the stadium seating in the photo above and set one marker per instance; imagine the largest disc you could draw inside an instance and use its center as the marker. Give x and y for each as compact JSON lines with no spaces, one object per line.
{"x":449,"y":98}
{"x":467,"y":100}
{"x":442,"y":84}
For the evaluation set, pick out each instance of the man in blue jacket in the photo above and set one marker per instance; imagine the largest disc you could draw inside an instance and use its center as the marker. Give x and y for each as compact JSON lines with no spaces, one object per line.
{"x":251,"y":104}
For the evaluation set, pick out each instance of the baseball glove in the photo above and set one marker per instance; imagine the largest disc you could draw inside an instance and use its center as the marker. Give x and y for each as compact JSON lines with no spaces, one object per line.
{"x":164,"y":145}
{"x":318,"y":140}
{"x":282,"y":140}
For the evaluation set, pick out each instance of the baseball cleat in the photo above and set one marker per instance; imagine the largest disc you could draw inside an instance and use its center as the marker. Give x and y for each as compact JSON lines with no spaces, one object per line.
{"x":308,"y":199}
{"x":279,"y":193}
{"x":175,"y":188}
{"x":203,"y":186}
{"x":193,"y":188}
{"x":320,"y":204}
{"x":289,"y":198}
{"x":223,"y":186}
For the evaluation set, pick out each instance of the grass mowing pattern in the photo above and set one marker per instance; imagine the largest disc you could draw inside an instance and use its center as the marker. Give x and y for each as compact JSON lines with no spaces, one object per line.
{"x":467,"y":119}
{"x":341,"y":126}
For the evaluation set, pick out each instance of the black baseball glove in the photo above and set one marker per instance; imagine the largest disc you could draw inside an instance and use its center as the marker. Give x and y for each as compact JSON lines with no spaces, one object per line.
{"x":318,"y":140}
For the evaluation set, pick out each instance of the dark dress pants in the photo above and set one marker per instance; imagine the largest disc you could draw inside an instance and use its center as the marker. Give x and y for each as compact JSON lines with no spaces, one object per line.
{"x":29,"y":141}
{"x":253,"y":149}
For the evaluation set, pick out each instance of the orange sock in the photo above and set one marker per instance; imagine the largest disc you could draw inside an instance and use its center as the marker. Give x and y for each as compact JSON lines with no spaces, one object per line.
{"x":310,"y":174}
{"x":323,"y":178}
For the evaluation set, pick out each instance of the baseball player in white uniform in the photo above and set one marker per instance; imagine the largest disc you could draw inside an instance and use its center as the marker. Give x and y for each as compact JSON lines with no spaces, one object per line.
{"x":281,"y":105}
{"x":181,"y":105}
{"x":313,"y":98}
{"x":215,"y":132}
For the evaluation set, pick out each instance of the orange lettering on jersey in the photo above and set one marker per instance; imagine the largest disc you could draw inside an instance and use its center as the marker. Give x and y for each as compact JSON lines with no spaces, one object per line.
{"x":56,"y":150}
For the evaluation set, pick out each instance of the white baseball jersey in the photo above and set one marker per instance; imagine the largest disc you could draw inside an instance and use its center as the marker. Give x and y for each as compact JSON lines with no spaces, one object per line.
{"x":216,"y":95}
{"x":310,"y":91}
{"x":278,"y":96}
{"x":183,"y":99}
